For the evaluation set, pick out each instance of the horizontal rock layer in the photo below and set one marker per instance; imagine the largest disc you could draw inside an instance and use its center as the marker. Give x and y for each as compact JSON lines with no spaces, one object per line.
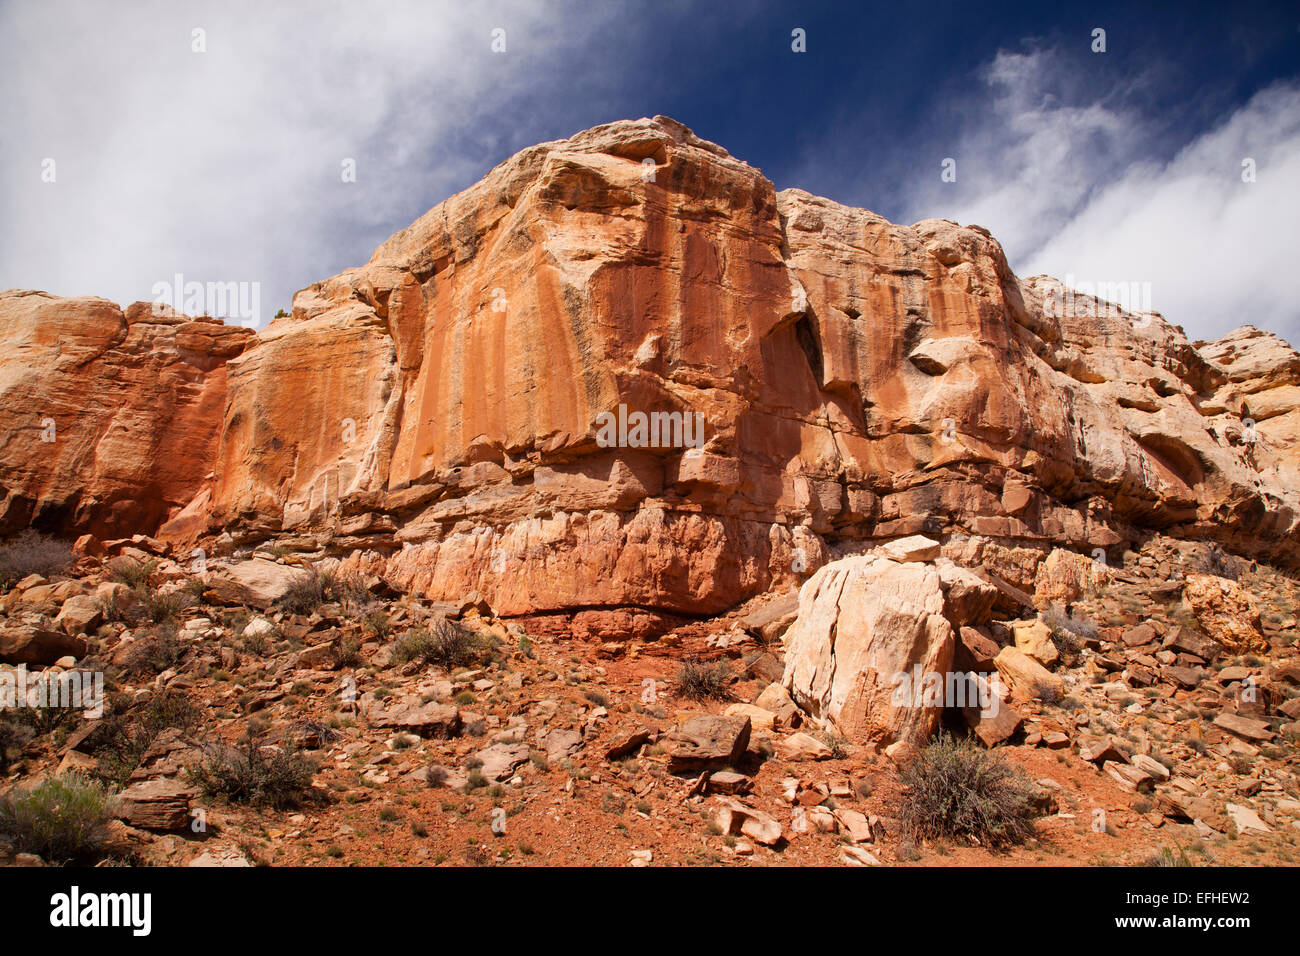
{"x":438,"y":409}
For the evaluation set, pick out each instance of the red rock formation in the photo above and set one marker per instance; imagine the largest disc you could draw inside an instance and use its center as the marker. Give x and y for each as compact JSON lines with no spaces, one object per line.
{"x":436,"y":410}
{"x":109,"y":420}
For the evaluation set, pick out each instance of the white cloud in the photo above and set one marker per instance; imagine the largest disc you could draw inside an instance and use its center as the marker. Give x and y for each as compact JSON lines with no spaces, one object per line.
{"x":225,"y":165}
{"x":1077,"y":191}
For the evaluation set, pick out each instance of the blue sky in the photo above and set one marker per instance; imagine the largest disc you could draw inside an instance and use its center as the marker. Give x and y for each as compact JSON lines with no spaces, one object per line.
{"x":224,"y":165}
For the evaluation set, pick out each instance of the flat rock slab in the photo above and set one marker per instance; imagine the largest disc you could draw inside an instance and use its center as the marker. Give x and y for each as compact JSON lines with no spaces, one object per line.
{"x":803,"y":746}
{"x":500,"y":761}
{"x":37,"y":646}
{"x":736,"y":818}
{"x":707,"y":742}
{"x":562,"y":743}
{"x":155,"y":805}
{"x":432,"y":719}
{"x":629,"y":743}
{"x":1244,"y":727}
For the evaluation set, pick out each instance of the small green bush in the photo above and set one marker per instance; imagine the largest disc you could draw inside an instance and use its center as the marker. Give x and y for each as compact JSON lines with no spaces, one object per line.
{"x":131,"y":572}
{"x":248,"y":774}
{"x":956,"y":789}
{"x":61,"y":819}
{"x":126,"y":735}
{"x":444,"y":643}
{"x":378,"y":623}
{"x":158,"y":650}
{"x":700,"y":681}
{"x":349,"y":654}
{"x":30,"y":552}
{"x":160,"y":606}
{"x":349,"y":590}
{"x":306,"y":594}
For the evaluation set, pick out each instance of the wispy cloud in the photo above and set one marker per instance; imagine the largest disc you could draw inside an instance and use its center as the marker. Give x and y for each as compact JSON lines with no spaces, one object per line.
{"x":226,"y":165}
{"x":1093,"y":190}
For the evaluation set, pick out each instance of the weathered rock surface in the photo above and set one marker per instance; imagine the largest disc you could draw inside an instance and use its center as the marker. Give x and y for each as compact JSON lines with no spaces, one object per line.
{"x":109,"y":418}
{"x":1227,"y":612}
{"x":437,"y":408}
{"x":155,"y":805}
{"x":256,"y":581}
{"x":426,"y":719}
{"x":25,"y":644}
{"x":865,"y":624}
{"x":706,"y":742}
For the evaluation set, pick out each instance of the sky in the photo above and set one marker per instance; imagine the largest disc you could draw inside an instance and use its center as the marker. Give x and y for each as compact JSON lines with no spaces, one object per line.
{"x":274,"y":145}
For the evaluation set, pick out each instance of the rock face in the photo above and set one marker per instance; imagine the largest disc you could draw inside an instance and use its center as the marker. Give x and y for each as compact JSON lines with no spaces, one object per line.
{"x":865,"y":625}
{"x":109,"y":419}
{"x":439,"y":410}
{"x":1227,"y":612}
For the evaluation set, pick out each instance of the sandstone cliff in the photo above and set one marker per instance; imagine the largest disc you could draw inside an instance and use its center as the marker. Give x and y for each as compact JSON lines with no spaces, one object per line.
{"x":434,"y":411}
{"x":109,"y":420}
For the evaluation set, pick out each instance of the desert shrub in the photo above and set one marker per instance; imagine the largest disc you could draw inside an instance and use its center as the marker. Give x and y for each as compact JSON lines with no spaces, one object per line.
{"x":30,"y":552}
{"x":61,"y":819}
{"x":14,"y":736}
{"x":126,"y":734}
{"x":114,"y":609}
{"x":349,"y":654}
{"x":348,"y":589}
{"x":837,"y":744}
{"x":194,"y":587}
{"x":247,"y":773}
{"x":1169,"y":856}
{"x":258,"y":643}
{"x":437,"y":776}
{"x":699,"y":681}
{"x":158,"y":650}
{"x":1078,"y":627}
{"x":130,"y":572}
{"x":378,"y":623}
{"x":444,"y":643}
{"x":305,"y":594}
{"x":46,"y":721}
{"x":160,"y":606}
{"x":313,"y":735}
{"x":1068,"y":634}
{"x":958,"y":790}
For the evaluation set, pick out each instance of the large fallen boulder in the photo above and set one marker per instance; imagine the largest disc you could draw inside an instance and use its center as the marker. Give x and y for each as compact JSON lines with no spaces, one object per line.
{"x":37,"y":646}
{"x":706,"y":742}
{"x":256,"y":581}
{"x":155,"y":805}
{"x":867,"y":627}
{"x":1065,"y":576}
{"x":1227,"y":612}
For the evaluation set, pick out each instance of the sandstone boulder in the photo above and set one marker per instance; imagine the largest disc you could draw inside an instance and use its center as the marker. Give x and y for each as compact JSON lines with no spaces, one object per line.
{"x":1227,"y":612}
{"x":967,"y":598}
{"x":257,"y":581}
{"x":1035,"y":639}
{"x":1066,"y":576}
{"x":36,"y":646}
{"x":1026,"y":678}
{"x":736,"y":818}
{"x":155,"y":805}
{"x":865,"y":624}
{"x":425,"y":719}
{"x":705,"y":742}
{"x":80,"y":614}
